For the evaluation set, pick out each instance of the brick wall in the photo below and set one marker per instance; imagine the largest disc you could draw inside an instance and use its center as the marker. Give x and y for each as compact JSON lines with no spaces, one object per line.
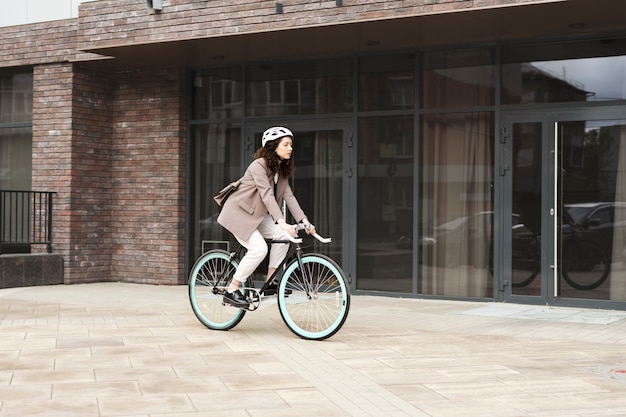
{"x":71,"y":156}
{"x":52,"y":145}
{"x":125,"y":22}
{"x":90,"y":200}
{"x":40,"y":43}
{"x":148,"y":176}
{"x":113,"y":148}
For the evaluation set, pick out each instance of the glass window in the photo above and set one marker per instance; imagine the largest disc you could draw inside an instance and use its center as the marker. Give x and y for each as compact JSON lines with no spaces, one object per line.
{"x":16,"y":155}
{"x":215,"y":161}
{"x":318,"y":184}
{"x":564,"y":72}
{"x":386,"y":82}
{"x":217,"y":94}
{"x":385,"y":204}
{"x":16,"y":98}
{"x":16,"y":107}
{"x":315,"y":87}
{"x":458,"y":78}
{"x":456,"y":204}
{"x":16,"y":149}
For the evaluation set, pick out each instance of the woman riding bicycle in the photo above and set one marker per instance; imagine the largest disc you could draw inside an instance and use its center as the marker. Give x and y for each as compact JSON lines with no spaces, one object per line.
{"x":252,"y":212}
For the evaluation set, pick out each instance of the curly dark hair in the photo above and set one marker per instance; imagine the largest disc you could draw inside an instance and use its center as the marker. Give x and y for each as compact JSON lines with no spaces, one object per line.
{"x":284,"y":167}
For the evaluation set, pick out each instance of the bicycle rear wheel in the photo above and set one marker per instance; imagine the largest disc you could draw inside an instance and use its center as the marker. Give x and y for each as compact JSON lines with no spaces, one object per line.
{"x":319,"y":301}
{"x":525,"y":264}
{"x":212,"y":270}
{"x":585,"y":265}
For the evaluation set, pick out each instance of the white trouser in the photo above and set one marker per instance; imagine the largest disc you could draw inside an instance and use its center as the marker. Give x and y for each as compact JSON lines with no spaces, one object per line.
{"x":257,"y":248}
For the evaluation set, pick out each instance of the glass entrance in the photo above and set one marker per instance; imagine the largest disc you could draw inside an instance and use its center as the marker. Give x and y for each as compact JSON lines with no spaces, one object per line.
{"x":527,"y":214}
{"x":565,"y":191}
{"x":592,"y":209}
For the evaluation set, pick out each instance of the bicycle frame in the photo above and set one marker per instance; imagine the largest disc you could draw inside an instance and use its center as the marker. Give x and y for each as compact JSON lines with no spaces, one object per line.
{"x":294,"y":252}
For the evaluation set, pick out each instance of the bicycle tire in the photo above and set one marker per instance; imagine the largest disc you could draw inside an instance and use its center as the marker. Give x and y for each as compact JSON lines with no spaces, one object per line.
{"x":319,"y":301}
{"x":525,"y":267}
{"x":585,"y":265}
{"x":207,"y":306}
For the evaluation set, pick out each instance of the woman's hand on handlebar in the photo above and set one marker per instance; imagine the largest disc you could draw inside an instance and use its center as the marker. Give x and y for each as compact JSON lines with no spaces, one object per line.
{"x":287,"y":228}
{"x":308,"y":227}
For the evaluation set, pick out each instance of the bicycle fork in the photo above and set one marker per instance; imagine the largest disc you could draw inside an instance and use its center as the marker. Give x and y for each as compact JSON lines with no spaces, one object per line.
{"x":307,"y":279}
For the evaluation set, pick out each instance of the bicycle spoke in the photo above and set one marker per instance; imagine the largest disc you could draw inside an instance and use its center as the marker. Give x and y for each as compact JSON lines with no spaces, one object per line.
{"x":214,"y":268}
{"x":319,"y":300}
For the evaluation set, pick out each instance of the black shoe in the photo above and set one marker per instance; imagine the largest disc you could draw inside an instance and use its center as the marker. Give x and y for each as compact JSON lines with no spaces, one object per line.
{"x":236,"y":299}
{"x":272,"y":289}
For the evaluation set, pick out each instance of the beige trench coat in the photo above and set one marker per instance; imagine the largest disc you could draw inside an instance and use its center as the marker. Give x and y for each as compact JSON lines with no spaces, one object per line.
{"x":247,"y":206}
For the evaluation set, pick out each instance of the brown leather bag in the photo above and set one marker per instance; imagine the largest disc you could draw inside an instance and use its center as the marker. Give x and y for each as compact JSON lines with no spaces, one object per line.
{"x":220,"y":198}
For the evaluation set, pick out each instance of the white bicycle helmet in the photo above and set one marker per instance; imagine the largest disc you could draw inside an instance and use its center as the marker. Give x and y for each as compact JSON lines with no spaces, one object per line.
{"x":275,"y":132}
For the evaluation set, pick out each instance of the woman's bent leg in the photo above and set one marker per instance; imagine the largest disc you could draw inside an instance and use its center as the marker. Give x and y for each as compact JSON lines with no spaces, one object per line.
{"x":256,"y":251}
{"x":278,"y":251}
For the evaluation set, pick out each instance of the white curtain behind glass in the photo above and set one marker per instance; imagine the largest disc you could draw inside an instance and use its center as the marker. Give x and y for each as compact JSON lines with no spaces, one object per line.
{"x":457,"y":205}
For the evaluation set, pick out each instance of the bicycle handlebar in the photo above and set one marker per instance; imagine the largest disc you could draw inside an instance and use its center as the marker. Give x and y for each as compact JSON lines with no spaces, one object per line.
{"x":322,"y":239}
{"x":300,"y":226}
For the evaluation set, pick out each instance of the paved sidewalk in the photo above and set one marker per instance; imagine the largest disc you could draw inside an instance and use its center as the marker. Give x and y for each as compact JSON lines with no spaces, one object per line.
{"x":114,"y":349}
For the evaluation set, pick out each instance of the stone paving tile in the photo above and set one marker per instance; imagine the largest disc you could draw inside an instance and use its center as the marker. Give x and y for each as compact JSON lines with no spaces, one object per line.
{"x":44,"y":376}
{"x":129,"y":350}
{"x":134,"y":374}
{"x":114,"y":389}
{"x":182,"y":386}
{"x":145,"y":404}
{"x":26,"y":392}
{"x":50,"y":408}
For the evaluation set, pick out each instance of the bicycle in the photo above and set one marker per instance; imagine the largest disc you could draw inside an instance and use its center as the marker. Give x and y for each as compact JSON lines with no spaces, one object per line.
{"x":313,"y":294}
{"x":585,"y":265}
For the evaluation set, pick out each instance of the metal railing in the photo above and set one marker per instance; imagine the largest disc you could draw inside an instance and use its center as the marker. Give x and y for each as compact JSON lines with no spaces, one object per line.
{"x":25,"y":218}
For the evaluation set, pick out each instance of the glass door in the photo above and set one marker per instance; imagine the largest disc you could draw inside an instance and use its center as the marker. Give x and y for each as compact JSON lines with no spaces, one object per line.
{"x":592,"y":208}
{"x":563,"y":188}
{"x":527,"y":218}
{"x":321,"y":180}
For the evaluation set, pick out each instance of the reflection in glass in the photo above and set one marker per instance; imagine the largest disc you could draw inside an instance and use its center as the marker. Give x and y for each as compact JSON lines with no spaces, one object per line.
{"x":458,"y":78}
{"x":16,"y":98}
{"x":215,"y":161}
{"x":456,"y":204}
{"x":318,"y":185}
{"x":385,"y":204}
{"x":386,"y":82}
{"x":593,"y":213}
{"x":16,"y":158}
{"x":299,"y":88}
{"x":217,"y":94}
{"x":525,"y":270}
{"x":570,"y":72}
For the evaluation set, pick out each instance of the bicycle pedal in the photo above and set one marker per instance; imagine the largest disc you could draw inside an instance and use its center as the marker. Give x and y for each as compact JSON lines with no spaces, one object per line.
{"x":254,"y":298}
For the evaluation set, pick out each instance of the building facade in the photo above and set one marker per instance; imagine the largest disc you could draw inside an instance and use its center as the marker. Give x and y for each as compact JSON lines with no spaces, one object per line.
{"x":465,"y":149}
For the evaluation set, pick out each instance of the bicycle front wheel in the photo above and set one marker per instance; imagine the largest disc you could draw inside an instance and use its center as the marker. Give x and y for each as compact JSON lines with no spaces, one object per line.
{"x":314,"y":299}
{"x":209,"y":277}
{"x":585,"y":265}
